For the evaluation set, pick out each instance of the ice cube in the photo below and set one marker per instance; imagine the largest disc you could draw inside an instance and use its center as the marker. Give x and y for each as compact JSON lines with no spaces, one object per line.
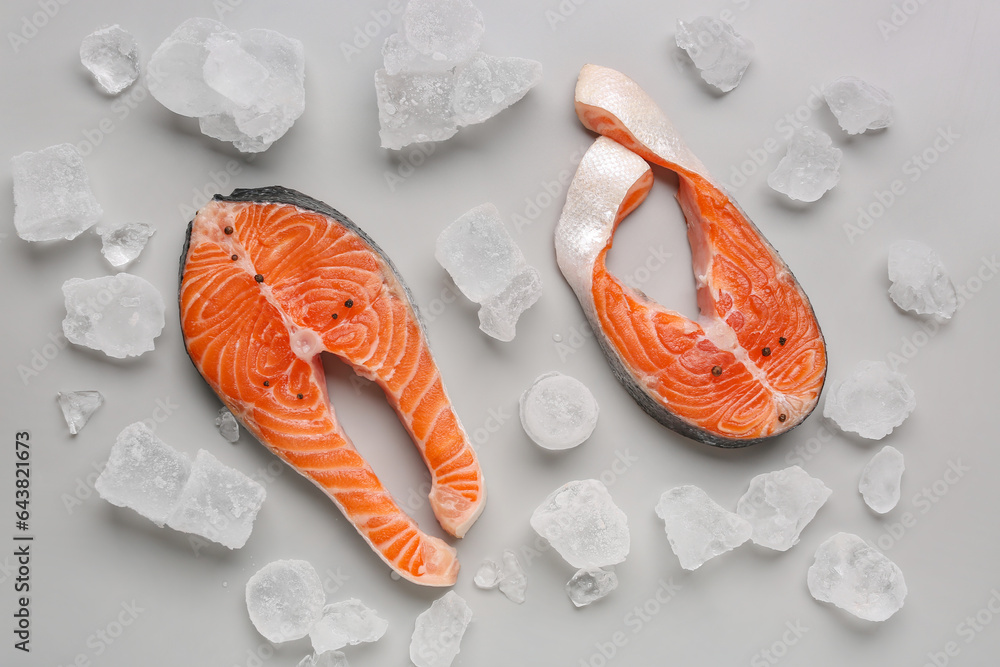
{"x":513,"y":581}
{"x":582,"y":523}
{"x":111,"y":55}
{"x":78,"y":407}
{"x":780,"y":504}
{"x":810,"y":167}
{"x":218,"y":503}
{"x":52,"y":197}
{"x":871,"y":402}
{"x":229,"y":428}
{"x":558,"y":411}
{"x":175,"y":72}
{"x":920,"y":282}
{"x":590,"y":585}
{"x":858,"y":105}
{"x":486,"y":85}
{"x":438,"y":631}
{"x":479,"y":253}
{"x":144,"y":473}
{"x":498,"y":314}
{"x":399,"y":56}
{"x":121,"y":245}
{"x":346,"y":622}
{"x":698,"y":529}
{"x":721,"y":53}
{"x":119,"y":315}
{"x":414,"y":107}
{"x":325,"y":659}
{"x":857,"y":578}
{"x":447,"y":31}
{"x":488,"y":575}
{"x":285,"y":599}
{"x":232,"y":72}
{"x":880,"y":479}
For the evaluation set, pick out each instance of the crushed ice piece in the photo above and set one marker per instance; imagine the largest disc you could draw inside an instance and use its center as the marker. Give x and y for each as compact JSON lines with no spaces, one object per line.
{"x":871,"y":402}
{"x":513,"y":580}
{"x":698,"y":529}
{"x":920,"y":282}
{"x":581,"y":522}
{"x":880,"y":479}
{"x":285,"y":599}
{"x":858,"y":105}
{"x":438,"y":631}
{"x":558,"y":411}
{"x":719,"y":52}
{"x":52,"y":197}
{"x":121,"y":245}
{"x":246,"y":88}
{"x":779,"y":504}
{"x":590,"y":585}
{"x":111,"y":55}
{"x":414,"y":107}
{"x":144,"y":473}
{"x":446,"y":31}
{"x":218,"y":503}
{"x":857,"y":578}
{"x":486,"y":85}
{"x":489,"y":268}
{"x":119,"y":315}
{"x":809,"y":168}
{"x":488,"y":575}
{"x":228,"y":427}
{"x":325,"y":659}
{"x":345,"y":623}
{"x":78,"y":407}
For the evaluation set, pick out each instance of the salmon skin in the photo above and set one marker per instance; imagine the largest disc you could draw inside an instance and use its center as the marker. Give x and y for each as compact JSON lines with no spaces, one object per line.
{"x":753,"y":365}
{"x":269,"y":279}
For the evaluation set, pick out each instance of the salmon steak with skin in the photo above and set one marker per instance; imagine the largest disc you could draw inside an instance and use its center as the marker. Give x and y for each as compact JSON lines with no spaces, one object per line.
{"x":269,"y":280}
{"x":753,"y":364}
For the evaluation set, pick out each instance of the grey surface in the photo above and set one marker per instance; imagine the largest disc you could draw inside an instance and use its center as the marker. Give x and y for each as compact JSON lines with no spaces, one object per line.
{"x":92,"y":560}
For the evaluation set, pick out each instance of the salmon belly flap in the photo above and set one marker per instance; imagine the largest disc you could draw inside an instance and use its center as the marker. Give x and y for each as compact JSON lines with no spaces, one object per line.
{"x":270,"y":279}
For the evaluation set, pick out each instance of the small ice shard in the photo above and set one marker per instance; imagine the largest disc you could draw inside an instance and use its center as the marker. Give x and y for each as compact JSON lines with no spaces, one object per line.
{"x":119,"y":315}
{"x":414,"y":107}
{"x":871,"y":402}
{"x":446,"y":31}
{"x":246,"y":88}
{"x":809,"y":168}
{"x":325,"y":659}
{"x":121,"y":245}
{"x":581,"y":522}
{"x":858,"y":105}
{"x":590,"y":585}
{"x":52,"y":197}
{"x":227,"y":425}
{"x":719,"y":52}
{"x":437,"y":635}
{"x":488,"y":575}
{"x":78,"y":407}
{"x":857,"y":578}
{"x":346,"y":623}
{"x":112,"y":56}
{"x":558,"y":411}
{"x":513,"y":580}
{"x":144,"y":473}
{"x":780,"y":504}
{"x":285,"y":599}
{"x":489,"y":268}
{"x":218,"y":503}
{"x":697,"y":527}
{"x":880,"y":479}
{"x":486,"y":85}
{"x":920,"y":283}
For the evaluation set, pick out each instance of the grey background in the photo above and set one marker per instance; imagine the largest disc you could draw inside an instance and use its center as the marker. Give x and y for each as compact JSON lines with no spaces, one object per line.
{"x":90,"y":559}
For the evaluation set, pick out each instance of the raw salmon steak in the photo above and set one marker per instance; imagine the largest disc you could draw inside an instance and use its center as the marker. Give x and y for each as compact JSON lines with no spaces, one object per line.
{"x":752,"y":366}
{"x":270,"y":279}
